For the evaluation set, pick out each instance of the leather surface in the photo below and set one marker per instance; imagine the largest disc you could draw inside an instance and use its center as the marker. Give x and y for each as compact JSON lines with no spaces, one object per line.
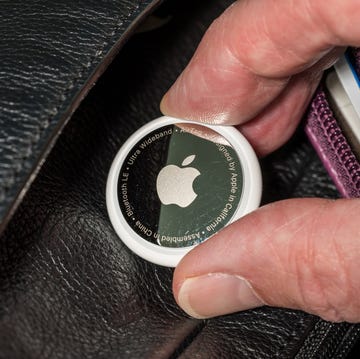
{"x":69,"y":288}
{"x":50,"y":55}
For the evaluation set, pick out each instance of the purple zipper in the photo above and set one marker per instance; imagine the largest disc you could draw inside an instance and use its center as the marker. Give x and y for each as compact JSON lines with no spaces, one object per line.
{"x":330,"y":143}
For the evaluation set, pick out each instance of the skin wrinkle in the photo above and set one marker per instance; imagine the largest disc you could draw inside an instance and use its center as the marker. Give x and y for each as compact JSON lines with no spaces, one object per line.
{"x":233,"y":62}
{"x":292,"y":219}
{"x":355,"y":285}
{"x":248,"y":38}
{"x":225,"y":246}
{"x":284,"y":103}
{"x":305,"y":247}
{"x":268,"y":239}
{"x":320,"y":46}
{"x":308,"y":268}
{"x":233,"y":105}
{"x":312,"y":15}
{"x":345,"y":287}
{"x":230,"y":110}
{"x":291,"y":242}
{"x":234,"y":47}
{"x":215,"y":68}
{"x":276,"y":256}
{"x":329,"y":28}
{"x":309,"y":22}
{"x":340,"y":297}
{"x":305,"y":273}
{"x":268,"y":38}
{"x":277,"y":47}
{"x":257,"y":30}
{"x":231,"y":14}
{"x":223,"y":251}
{"x":205,"y":86}
{"x":321,"y":297}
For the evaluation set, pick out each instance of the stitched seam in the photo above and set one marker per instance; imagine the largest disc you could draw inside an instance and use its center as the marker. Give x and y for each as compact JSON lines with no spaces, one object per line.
{"x":46,"y":123}
{"x":288,"y":341}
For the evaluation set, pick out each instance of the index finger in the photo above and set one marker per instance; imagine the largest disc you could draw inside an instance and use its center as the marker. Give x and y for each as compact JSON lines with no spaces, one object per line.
{"x":247,"y":57}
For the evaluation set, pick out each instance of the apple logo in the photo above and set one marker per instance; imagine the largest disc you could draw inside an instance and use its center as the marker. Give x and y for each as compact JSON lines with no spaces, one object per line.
{"x":174,"y":184}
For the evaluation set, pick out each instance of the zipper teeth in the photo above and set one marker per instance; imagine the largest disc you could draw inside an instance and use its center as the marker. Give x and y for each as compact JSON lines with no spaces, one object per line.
{"x":337,"y":140}
{"x":337,"y":340}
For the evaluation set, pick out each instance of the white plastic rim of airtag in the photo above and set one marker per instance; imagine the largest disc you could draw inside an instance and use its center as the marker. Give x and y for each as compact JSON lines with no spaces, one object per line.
{"x":167,"y":256}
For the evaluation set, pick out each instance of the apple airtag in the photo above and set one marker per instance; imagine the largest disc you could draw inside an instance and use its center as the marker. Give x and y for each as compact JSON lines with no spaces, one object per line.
{"x":175,"y":183}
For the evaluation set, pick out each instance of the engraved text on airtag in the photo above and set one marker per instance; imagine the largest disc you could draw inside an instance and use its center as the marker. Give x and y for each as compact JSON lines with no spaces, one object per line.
{"x":179,"y":185}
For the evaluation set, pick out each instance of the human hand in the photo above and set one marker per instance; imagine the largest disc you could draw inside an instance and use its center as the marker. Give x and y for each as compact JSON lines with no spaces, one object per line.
{"x":257,"y":68}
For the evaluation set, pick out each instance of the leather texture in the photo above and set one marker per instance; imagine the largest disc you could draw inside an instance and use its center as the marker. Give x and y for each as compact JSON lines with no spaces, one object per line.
{"x":50,"y":54}
{"x":69,"y":288}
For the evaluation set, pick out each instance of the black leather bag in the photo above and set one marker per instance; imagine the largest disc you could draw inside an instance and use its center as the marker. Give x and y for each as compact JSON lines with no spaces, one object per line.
{"x":69,"y":288}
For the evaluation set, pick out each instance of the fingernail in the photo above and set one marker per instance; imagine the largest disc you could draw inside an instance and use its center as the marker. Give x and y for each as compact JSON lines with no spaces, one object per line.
{"x":216,"y":294}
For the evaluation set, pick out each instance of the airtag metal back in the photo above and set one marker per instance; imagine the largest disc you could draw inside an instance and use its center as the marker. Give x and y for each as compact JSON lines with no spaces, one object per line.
{"x":175,"y":183}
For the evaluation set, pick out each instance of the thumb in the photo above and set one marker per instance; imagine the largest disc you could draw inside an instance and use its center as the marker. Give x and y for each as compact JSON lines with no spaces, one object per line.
{"x":300,"y":254}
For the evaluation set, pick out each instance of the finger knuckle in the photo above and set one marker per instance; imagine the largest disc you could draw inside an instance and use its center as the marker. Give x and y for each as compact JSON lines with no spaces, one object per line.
{"x":325,"y":283}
